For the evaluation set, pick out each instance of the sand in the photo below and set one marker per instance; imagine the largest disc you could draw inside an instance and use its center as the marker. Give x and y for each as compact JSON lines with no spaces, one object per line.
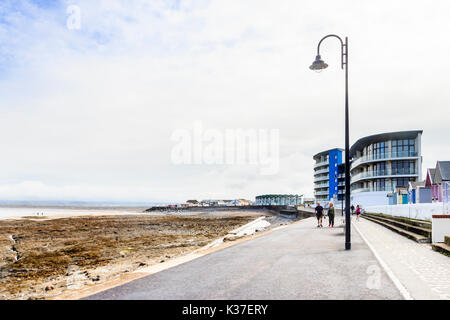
{"x":41,"y":258}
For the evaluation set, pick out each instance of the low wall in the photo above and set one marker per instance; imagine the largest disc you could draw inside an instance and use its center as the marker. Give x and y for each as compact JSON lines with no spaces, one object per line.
{"x":441,"y":227}
{"x":422,"y":211}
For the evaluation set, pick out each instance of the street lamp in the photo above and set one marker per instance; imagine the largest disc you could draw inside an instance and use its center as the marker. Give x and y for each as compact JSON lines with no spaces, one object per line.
{"x":318,"y":65}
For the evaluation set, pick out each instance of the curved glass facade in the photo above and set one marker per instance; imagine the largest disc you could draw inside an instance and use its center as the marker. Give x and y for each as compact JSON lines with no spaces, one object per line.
{"x":387,"y":164}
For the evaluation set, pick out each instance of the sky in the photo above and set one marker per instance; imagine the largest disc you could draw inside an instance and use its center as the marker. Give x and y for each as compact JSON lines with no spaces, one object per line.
{"x":91,"y":99}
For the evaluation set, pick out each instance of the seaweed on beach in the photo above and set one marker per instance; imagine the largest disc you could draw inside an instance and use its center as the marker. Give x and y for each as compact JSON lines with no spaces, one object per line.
{"x":37,"y":254}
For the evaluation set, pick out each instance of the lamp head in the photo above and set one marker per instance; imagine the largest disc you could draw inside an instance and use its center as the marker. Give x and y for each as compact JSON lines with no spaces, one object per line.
{"x":318,"y":65}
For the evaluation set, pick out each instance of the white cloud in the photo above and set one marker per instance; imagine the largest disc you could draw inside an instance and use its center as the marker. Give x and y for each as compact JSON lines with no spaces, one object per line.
{"x":89,"y":113}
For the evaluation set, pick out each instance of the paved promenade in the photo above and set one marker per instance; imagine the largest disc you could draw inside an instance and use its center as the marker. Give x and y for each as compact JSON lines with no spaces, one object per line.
{"x":424,"y":274}
{"x":297,"y":262}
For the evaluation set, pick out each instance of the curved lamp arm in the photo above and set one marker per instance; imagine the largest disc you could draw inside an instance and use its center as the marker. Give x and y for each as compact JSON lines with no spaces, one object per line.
{"x":342,"y":48}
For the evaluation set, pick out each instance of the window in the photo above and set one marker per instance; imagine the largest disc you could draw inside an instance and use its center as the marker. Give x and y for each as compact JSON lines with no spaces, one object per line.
{"x":380,"y":185}
{"x":402,"y":182}
{"x":403,"y":148}
{"x":379,"y":150}
{"x":403,"y":167}
{"x":379,"y":169}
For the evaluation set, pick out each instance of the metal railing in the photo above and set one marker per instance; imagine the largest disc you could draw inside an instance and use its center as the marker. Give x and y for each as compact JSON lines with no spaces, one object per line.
{"x":322,"y":185}
{"x":321,"y":171}
{"x":381,"y":173}
{"x":316,"y":179}
{"x":323,"y":163}
{"x":384,"y":156}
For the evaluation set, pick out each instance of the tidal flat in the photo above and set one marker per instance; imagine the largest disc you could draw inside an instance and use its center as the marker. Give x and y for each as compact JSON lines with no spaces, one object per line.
{"x":42,"y":257}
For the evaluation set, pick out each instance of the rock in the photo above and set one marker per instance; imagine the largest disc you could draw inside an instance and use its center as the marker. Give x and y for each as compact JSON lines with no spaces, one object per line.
{"x":141,"y":264}
{"x":162,"y":261}
{"x":48,"y":288}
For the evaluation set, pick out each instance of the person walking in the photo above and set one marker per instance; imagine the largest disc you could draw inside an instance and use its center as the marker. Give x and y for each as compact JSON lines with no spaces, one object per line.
{"x":331,"y":216}
{"x":353,"y":209}
{"x":358,"y":212}
{"x":319,"y":215}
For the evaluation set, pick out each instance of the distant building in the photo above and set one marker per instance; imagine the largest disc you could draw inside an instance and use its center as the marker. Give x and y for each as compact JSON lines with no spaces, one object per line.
{"x":241,"y":202}
{"x":279,"y":199}
{"x":309,"y":201}
{"x":328,"y":183}
{"x":419,"y":193}
{"x":215,"y":203}
{"x":193,"y":203}
{"x":382,"y":166}
{"x":438,"y":180}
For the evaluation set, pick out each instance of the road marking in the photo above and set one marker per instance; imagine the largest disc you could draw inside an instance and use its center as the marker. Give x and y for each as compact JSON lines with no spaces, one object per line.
{"x":389,"y":272}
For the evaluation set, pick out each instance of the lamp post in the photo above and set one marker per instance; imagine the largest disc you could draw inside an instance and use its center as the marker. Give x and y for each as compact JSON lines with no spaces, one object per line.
{"x":318,"y":65}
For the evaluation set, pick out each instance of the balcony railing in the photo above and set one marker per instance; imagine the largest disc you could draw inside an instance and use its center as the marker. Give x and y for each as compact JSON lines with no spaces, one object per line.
{"x":384,"y":156}
{"x":381,"y":173}
{"x":320,"y":164}
{"x":321,"y":171}
{"x":321,"y":178}
{"x":321,"y":185}
{"x":321,"y":193}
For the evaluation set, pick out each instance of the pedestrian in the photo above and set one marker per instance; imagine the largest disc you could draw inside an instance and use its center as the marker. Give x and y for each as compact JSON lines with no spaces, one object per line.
{"x":331,"y":216}
{"x":353,"y":209}
{"x":319,"y":215}
{"x":358,"y":212}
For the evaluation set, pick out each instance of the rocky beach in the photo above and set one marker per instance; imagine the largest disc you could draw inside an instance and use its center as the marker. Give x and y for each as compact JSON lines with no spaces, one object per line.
{"x":42,"y":257}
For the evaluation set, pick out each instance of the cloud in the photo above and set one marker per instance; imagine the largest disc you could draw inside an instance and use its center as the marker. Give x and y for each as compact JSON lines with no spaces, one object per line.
{"x":89,"y":113}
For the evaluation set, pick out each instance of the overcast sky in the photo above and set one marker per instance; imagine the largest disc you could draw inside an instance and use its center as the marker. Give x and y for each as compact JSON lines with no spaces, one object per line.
{"x":88,"y":113}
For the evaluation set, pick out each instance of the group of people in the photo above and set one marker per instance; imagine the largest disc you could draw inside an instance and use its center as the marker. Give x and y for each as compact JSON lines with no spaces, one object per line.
{"x":320,"y":214}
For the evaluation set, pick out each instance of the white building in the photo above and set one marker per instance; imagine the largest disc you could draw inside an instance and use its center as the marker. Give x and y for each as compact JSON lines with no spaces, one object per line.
{"x":382,"y":164}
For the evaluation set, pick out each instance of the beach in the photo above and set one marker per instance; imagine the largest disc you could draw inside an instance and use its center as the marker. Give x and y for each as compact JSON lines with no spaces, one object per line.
{"x":44,"y":256}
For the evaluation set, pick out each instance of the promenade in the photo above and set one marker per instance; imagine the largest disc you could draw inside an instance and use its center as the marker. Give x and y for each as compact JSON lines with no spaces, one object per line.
{"x":297,"y":262}
{"x":423,"y":273}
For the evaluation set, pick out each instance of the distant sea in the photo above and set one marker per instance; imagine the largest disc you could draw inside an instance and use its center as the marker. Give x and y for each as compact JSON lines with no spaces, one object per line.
{"x":8,"y":210}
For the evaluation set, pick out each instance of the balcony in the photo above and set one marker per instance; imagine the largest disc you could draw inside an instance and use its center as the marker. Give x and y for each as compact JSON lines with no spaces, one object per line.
{"x":383,"y":156}
{"x":321,"y":193}
{"x":383,"y":173}
{"x":320,"y":164}
{"x":321,"y":171}
{"x":321,"y":185}
{"x":323,"y":178}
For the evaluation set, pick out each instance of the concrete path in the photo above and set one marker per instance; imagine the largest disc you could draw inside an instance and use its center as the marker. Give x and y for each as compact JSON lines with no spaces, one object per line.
{"x":424,"y":273}
{"x":297,"y":262}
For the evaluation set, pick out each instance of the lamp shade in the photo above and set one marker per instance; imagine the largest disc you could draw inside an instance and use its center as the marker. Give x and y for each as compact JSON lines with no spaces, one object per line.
{"x":318,"y":64}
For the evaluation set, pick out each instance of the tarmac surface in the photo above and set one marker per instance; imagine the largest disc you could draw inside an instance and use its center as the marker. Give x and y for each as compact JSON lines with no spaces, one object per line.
{"x":297,"y":262}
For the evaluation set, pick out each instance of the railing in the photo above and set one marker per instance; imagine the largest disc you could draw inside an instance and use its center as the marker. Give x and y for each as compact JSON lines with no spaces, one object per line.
{"x":321,"y":193}
{"x":380,"y":173}
{"x":323,"y":163}
{"x":320,"y":178}
{"x":321,"y":171}
{"x":384,"y":156}
{"x":321,"y":185}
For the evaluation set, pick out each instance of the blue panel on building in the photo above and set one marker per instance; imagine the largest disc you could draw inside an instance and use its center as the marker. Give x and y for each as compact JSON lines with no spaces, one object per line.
{"x":335,"y":159}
